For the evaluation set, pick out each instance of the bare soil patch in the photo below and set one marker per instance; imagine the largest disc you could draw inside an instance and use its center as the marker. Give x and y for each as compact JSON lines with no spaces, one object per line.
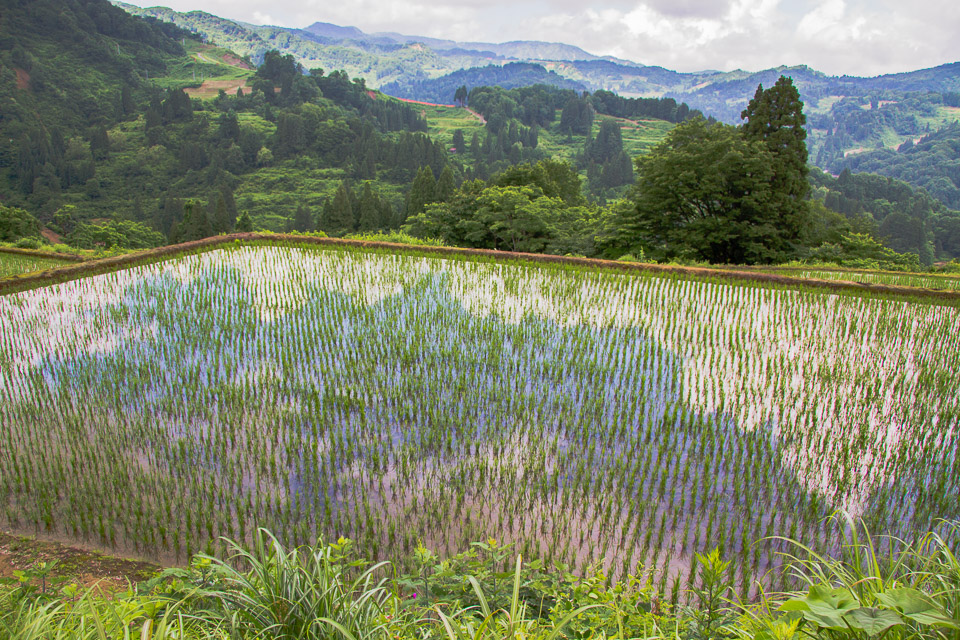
{"x":210,"y":88}
{"x":23,"y":79}
{"x":83,"y":567}
{"x":234,"y":61}
{"x":52,"y":237}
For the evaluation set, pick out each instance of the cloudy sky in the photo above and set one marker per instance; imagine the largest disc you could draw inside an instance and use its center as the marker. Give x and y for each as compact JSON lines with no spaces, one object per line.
{"x":857,"y":37}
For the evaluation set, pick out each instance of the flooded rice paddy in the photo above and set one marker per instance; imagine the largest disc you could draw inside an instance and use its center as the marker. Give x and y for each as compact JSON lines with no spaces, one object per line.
{"x":587,"y":416}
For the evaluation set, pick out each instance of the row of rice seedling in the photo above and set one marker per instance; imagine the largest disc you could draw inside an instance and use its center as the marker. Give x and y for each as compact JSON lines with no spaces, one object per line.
{"x":588,"y":416}
{"x":12,"y":264}
{"x":943,"y":282}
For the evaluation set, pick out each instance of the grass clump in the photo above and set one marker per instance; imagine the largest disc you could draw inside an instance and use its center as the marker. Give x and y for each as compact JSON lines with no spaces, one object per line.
{"x":872,"y":587}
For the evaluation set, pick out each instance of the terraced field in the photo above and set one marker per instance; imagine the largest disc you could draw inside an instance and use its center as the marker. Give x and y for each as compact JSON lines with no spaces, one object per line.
{"x":590,"y":415}
{"x":12,"y":264}
{"x":638,"y":136}
{"x":920,"y":280}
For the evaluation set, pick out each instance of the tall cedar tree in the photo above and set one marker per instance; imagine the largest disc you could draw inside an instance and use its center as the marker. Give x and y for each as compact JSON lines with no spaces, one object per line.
{"x":303,"y":220}
{"x":459,"y":143}
{"x":221,"y":218}
{"x":340,"y":216}
{"x":446,"y":185}
{"x":422,"y":191}
{"x":775,"y":117}
{"x":369,"y":218}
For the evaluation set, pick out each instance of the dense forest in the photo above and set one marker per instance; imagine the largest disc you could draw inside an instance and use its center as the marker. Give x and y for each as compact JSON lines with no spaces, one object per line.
{"x":931,"y":162}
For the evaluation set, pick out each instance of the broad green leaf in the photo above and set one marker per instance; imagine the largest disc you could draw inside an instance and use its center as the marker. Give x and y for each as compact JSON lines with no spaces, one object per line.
{"x":825,"y":607}
{"x":917,"y":606}
{"x":795,"y":604}
{"x":873,"y":621}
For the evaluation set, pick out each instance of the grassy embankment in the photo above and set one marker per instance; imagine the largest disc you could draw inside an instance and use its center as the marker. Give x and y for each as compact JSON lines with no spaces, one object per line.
{"x":873,"y":588}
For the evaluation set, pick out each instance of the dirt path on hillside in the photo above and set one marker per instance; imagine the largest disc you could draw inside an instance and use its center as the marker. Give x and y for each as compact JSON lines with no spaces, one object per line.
{"x":449,"y":106}
{"x":476,"y":115}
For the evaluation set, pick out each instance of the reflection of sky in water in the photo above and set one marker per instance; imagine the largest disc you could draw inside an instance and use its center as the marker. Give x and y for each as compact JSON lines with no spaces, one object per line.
{"x":841,"y":383}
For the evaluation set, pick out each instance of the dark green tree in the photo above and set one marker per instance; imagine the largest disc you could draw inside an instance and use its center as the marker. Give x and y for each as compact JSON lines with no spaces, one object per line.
{"x":340,"y":218}
{"x":99,"y":142}
{"x":775,"y":117}
{"x":303,"y":220}
{"x":370,"y":218}
{"x":244,"y":223}
{"x":17,"y":223}
{"x":555,"y":178}
{"x":221,"y":222}
{"x":459,"y":143}
{"x":195,"y":224}
{"x":446,"y":185}
{"x":706,"y":193}
{"x":231,"y":204}
{"x":229,"y":126}
{"x":422,"y":191}
{"x":127,"y":105}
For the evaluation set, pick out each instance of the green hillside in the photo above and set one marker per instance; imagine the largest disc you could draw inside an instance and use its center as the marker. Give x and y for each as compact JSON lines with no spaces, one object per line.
{"x":205,"y":143}
{"x":847,"y":115}
{"x":202,"y":138}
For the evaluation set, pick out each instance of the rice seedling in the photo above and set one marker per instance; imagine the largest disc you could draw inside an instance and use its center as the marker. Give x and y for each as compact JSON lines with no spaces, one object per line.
{"x":587,"y":416}
{"x":926,"y":281}
{"x":12,"y":264}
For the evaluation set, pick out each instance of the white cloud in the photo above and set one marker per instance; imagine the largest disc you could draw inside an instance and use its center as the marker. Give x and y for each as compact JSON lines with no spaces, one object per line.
{"x":265,"y":18}
{"x":826,"y":17}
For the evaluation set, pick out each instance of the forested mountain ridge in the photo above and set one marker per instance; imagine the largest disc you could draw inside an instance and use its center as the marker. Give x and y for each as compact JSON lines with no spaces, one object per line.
{"x":846,"y":114}
{"x":157,"y":155}
{"x":107,"y":148}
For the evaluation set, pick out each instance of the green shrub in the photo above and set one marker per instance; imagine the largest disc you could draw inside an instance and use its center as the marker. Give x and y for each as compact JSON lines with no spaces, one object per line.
{"x":28,"y":243}
{"x":17,"y":223}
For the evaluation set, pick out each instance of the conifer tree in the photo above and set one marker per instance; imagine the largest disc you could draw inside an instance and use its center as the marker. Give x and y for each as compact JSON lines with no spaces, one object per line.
{"x":369,"y":218}
{"x":459,"y":143}
{"x":230,"y":203}
{"x":244,"y":223}
{"x":775,"y":117}
{"x":195,"y":224}
{"x":446,"y":185}
{"x":302,"y":221}
{"x":221,"y":218}
{"x":422,"y":191}
{"x":341,"y":219}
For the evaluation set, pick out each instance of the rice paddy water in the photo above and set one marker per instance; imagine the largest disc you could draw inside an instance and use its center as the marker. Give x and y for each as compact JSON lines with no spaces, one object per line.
{"x":589,"y":416}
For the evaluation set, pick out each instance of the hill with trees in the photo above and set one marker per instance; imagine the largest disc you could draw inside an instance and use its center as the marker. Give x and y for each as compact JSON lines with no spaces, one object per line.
{"x":295,"y":149}
{"x":846,"y":114}
{"x":931,"y":162}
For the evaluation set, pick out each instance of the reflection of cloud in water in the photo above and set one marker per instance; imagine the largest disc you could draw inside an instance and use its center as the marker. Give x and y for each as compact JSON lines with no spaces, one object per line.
{"x":837,"y":382}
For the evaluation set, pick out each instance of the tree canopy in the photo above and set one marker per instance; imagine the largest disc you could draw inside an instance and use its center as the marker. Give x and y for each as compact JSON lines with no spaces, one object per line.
{"x":706,"y":193}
